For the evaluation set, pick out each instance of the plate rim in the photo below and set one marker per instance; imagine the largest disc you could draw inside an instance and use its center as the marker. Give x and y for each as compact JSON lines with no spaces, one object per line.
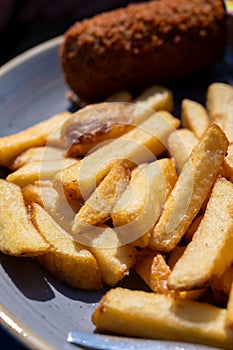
{"x":21,"y":332}
{"x":30,"y":53}
{"x":9,"y":322}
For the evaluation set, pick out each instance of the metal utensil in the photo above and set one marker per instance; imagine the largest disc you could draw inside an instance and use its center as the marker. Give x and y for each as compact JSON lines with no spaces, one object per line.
{"x":107,"y":342}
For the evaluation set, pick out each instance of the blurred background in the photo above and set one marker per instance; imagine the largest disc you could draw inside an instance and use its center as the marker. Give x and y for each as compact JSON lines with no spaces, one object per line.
{"x":26,"y":23}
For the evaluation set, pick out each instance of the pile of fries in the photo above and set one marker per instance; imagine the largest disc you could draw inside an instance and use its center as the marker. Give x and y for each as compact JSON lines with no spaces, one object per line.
{"x":124,"y":185}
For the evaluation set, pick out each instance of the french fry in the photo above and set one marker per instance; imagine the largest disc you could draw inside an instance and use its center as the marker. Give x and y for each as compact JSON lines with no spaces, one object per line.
{"x":35,"y":194}
{"x":180,"y":145}
{"x":195,"y":117}
{"x":156,"y":98}
{"x":113,"y":258}
{"x":138,"y":146}
{"x":66,"y":259}
{"x":229,"y":314}
{"x":94,"y":124}
{"x":227,"y":167}
{"x":153,"y":269}
{"x":120,"y":96}
{"x":140,"y":205}
{"x":151,"y":266}
{"x":223,"y":283}
{"x":175,"y":255}
{"x":191,"y":190}
{"x":35,"y":136}
{"x":98,"y":207}
{"x":48,"y":198}
{"x":219,"y":98}
{"x":45,"y":170}
{"x":187,"y":237}
{"x":37,"y":154}
{"x":210,"y":252}
{"x":18,"y":236}
{"x":219,"y":101}
{"x":99,"y":122}
{"x":158,"y":316}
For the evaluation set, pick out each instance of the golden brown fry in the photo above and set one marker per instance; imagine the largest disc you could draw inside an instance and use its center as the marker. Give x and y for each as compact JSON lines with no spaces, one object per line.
{"x":153,"y":269}
{"x":229,"y":315}
{"x":66,"y":259}
{"x":223,"y":283}
{"x":227,"y":167}
{"x":113,"y":258}
{"x":158,"y":316}
{"x":140,"y":205}
{"x":194,"y":116}
{"x":96,"y":123}
{"x":37,"y":154}
{"x":37,"y":135}
{"x":156,"y":98}
{"x":137,"y":146}
{"x":191,"y":190}
{"x":187,"y":237}
{"x":180,"y":145}
{"x":210,"y":252}
{"x":98,"y":207}
{"x":175,"y":255}
{"x":219,"y":98}
{"x":18,"y":236}
{"x":45,"y":170}
{"x":120,"y":96}
{"x":48,"y":198}
{"x":219,"y":102}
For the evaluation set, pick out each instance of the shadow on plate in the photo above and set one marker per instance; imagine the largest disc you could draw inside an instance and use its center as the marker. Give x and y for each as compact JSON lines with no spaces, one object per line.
{"x":28,"y":277}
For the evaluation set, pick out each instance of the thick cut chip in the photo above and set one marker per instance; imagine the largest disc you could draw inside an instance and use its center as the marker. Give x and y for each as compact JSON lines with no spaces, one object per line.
{"x":219,"y":101}
{"x":98,"y":207}
{"x":223,"y":283}
{"x":37,"y":154}
{"x":37,"y":135}
{"x":99,"y":122}
{"x":156,"y":98}
{"x":194,"y":183}
{"x":158,"y":316}
{"x":187,"y":237}
{"x":120,"y":96}
{"x":67,"y":260}
{"x":195,"y":117}
{"x":151,"y":266}
{"x":210,"y":251}
{"x":18,"y":236}
{"x":228,"y":163}
{"x":48,"y":198}
{"x":180,"y":145}
{"x":45,"y":170}
{"x":138,"y":146}
{"x":140,"y":205}
{"x":113,"y":258}
{"x":229,"y":315}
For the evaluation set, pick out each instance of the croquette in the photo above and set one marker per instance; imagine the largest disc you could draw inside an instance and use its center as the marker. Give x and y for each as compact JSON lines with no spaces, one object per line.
{"x":155,"y":42}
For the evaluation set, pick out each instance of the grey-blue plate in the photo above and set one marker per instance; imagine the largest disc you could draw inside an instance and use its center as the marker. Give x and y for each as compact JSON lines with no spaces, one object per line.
{"x":35,"y":307}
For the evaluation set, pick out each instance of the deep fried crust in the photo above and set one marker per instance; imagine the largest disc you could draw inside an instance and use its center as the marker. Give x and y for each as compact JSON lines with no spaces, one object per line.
{"x":159,"y":41}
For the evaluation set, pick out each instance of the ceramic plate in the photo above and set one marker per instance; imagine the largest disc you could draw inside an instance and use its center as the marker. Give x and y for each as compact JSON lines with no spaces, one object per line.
{"x":35,"y":307}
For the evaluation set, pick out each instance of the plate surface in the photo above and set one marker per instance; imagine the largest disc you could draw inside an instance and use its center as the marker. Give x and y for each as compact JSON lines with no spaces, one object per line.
{"x":37,"y":308}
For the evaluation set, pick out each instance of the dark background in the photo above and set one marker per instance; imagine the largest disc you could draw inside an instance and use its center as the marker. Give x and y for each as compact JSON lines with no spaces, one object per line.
{"x":27,"y":23}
